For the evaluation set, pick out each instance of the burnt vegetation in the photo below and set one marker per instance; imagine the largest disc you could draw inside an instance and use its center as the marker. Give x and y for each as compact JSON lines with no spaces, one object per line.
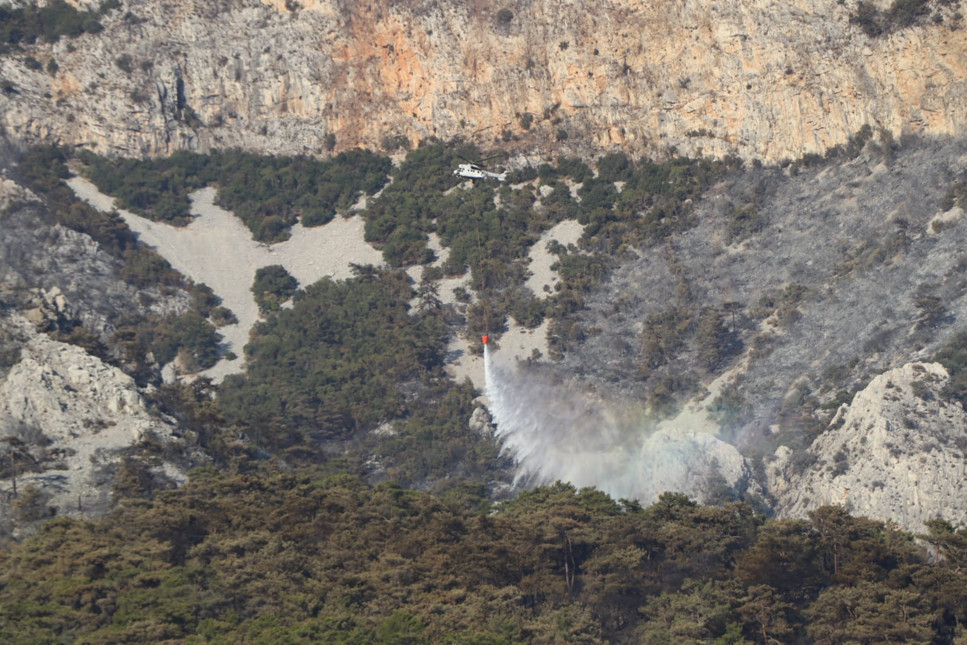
{"x":690,"y":325}
{"x":902,"y":14}
{"x":305,"y":531}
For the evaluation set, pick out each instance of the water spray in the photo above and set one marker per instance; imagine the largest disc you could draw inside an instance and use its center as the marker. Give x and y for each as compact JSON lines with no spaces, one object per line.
{"x":556,"y":429}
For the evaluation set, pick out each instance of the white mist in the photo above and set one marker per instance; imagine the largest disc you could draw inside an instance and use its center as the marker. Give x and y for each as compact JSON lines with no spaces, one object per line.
{"x":555,"y":432}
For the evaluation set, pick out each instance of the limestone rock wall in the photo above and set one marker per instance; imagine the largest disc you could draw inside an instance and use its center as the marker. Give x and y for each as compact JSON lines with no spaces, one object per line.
{"x":73,"y":417}
{"x":757,"y":78}
{"x":896,"y":454}
{"x":38,"y":258}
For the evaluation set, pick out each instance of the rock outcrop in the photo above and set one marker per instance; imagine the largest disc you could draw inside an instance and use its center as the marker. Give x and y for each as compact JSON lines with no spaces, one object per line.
{"x":68,"y":419}
{"x":897,"y":453}
{"x":12,"y":192}
{"x":759,"y":79}
{"x":59,"y":277}
{"x":695,"y":463}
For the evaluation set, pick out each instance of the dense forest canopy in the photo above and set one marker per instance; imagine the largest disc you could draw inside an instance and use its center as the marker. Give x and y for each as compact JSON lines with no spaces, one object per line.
{"x":345,"y":359}
{"x":283,"y":557}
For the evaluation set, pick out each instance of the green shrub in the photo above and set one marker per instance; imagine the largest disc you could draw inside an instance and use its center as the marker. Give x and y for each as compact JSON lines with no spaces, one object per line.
{"x":268,"y":193}
{"x":575,"y":168}
{"x":221,"y":316}
{"x":526,"y":309}
{"x":52,"y":21}
{"x":714,"y":342}
{"x":663,"y":334}
{"x":273,"y":285}
{"x":615,"y":167}
{"x":730,"y":409}
{"x":124,"y":62}
{"x":192,"y":337}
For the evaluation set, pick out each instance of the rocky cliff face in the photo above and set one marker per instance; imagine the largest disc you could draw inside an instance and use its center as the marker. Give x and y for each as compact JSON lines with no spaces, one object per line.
{"x":759,"y":79}
{"x":68,"y":419}
{"x":69,"y":422}
{"x":896,"y":453}
{"x":59,"y":277}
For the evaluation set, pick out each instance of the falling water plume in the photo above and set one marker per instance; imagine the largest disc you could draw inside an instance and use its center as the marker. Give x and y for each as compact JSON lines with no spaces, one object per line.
{"x":556,"y":430}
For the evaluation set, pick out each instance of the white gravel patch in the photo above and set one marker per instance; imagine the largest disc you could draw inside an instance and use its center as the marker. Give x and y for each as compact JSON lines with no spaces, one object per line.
{"x":217,"y":249}
{"x":566,"y":232}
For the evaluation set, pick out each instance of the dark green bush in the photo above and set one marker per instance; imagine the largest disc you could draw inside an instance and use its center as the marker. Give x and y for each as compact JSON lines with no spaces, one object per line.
{"x":221,"y":316}
{"x":190,"y":335}
{"x":574,"y":168}
{"x":269,"y":194}
{"x":273,"y":285}
{"x":52,"y":21}
{"x":615,"y":167}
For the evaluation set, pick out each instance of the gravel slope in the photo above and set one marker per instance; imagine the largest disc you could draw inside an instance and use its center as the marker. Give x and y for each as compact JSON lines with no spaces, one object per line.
{"x":218,"y":250}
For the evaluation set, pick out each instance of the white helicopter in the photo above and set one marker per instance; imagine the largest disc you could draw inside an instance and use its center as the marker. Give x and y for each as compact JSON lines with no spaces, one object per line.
{"x":473,"y":171}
